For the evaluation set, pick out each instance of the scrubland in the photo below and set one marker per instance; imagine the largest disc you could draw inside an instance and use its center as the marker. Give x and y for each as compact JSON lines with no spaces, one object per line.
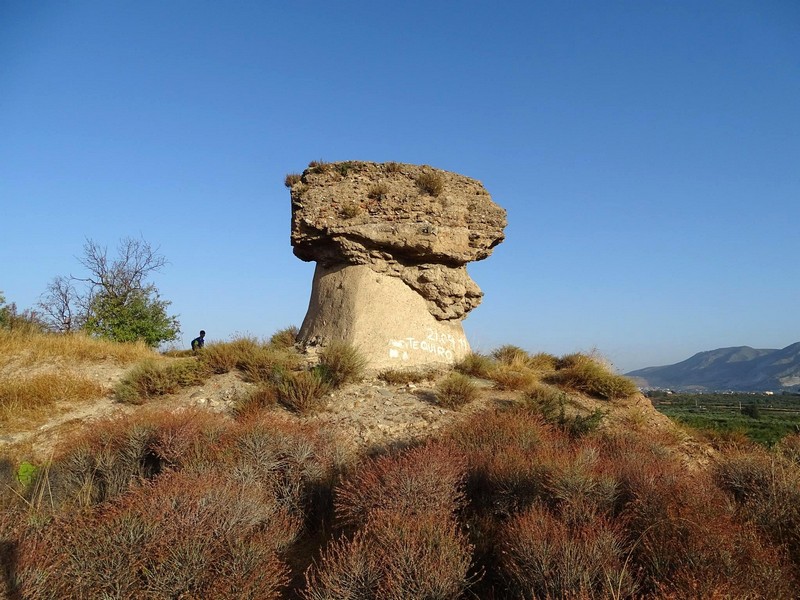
{"x":545,"y":494}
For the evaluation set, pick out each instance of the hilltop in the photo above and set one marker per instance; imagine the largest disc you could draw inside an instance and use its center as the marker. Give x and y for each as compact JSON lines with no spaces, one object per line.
{"x":252,"y":470}
{"x":366,"y":414}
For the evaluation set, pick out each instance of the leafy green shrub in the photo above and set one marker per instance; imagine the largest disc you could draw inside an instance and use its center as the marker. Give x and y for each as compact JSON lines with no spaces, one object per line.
{"x":476,"y":365}
{"x":139,"y":315}
{"x":26,"y":472}
{"x":150,"y":379}
{"x":291,"y":179}
{"x":456,"y":390}
{"x":303,"y":391}
{"x":342,"y":363}
{"x":586,"y":375}
{"x":430,"y":183}
{"x":752,"y":410}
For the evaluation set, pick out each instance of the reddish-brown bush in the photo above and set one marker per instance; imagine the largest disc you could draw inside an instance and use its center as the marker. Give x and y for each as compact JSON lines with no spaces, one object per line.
{"x":294,"y":461}
{"x":509,"y":458}
{"x":426,"y":479}
{"x":395,"y":556}
{"x":767,"y":491}
{"x":121,"y":452}
{"x":542,"y":557}
{"x":681,"y":533}
{"x":248,"y":404}
{"x":349,"y":569}
{"x":183,"y":535}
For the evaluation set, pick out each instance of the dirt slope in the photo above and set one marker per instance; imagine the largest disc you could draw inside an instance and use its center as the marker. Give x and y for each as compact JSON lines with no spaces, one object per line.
{"x":364,"y":415}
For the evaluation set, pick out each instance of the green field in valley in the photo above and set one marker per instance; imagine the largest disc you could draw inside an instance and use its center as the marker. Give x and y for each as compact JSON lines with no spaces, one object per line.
{"x":762,"y":417}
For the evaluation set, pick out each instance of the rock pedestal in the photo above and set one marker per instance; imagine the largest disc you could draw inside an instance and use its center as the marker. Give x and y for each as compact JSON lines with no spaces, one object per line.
{"x":380,"y":315}
{"x":391,"y":242}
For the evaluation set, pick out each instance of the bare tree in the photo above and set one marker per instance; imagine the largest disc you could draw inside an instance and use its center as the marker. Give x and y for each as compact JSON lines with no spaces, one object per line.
{"x":117,"y":278}
{"x":62,"y":307}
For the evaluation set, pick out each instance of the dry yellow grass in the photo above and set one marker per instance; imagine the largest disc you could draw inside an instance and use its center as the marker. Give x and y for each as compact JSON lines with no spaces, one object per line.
{"x":517,"y":377}
{"x":31,"y":396}
{"x":32,"y":349}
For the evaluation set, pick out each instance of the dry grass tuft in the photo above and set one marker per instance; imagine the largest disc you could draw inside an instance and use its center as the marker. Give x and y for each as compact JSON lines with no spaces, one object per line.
{"x":476,"y":365}
{"x":341,"y":363}
{"x":66,"y":349}
{"x":350,"y":210}
{"x":542,"y":362}
{"x":35,"y":395}
{"x":302,"y":392}
{"x":150,"y":379}
{"x":258,"y":362}
{"x":263,"y":397}
{"x":513,"y":377}
{"x":291,"y":179}
{"x":430,"y":183}
{"x":284,"y":338}
{"x":403,"y":376}
{"x":456,"y":390}
{"x":378,"y":191}
{"x":510,"y":354}
{"x":319,"y":166}
{"x":585,"y":374}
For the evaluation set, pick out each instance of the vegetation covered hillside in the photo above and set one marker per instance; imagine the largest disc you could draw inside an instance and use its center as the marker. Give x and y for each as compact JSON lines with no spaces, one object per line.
{"x":251,"y":471}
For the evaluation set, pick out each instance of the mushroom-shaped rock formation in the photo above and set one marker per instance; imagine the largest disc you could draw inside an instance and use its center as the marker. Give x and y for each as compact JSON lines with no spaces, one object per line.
{"x":391,"y":242}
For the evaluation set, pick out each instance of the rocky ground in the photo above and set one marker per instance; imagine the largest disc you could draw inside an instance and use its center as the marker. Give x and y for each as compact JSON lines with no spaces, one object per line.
{"x":362,"y":416}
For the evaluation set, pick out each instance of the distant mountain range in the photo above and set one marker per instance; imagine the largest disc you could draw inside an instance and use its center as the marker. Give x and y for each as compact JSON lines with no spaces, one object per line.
{"x":742,"y":369}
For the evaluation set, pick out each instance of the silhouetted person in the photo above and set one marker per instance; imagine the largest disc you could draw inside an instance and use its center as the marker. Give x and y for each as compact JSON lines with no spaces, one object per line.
{"x":199,"y":342}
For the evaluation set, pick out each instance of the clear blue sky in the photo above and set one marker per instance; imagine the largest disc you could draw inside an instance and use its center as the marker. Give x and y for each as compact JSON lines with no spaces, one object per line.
{"x":647,"y":152}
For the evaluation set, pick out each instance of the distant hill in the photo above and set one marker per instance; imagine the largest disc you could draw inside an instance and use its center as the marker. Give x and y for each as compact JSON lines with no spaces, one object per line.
{"x":741,"y":369}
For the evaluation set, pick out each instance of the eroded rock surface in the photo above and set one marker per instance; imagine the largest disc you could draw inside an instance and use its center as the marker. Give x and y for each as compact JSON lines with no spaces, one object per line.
{"x":391,"y":242}
{"x":417,"y":223}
